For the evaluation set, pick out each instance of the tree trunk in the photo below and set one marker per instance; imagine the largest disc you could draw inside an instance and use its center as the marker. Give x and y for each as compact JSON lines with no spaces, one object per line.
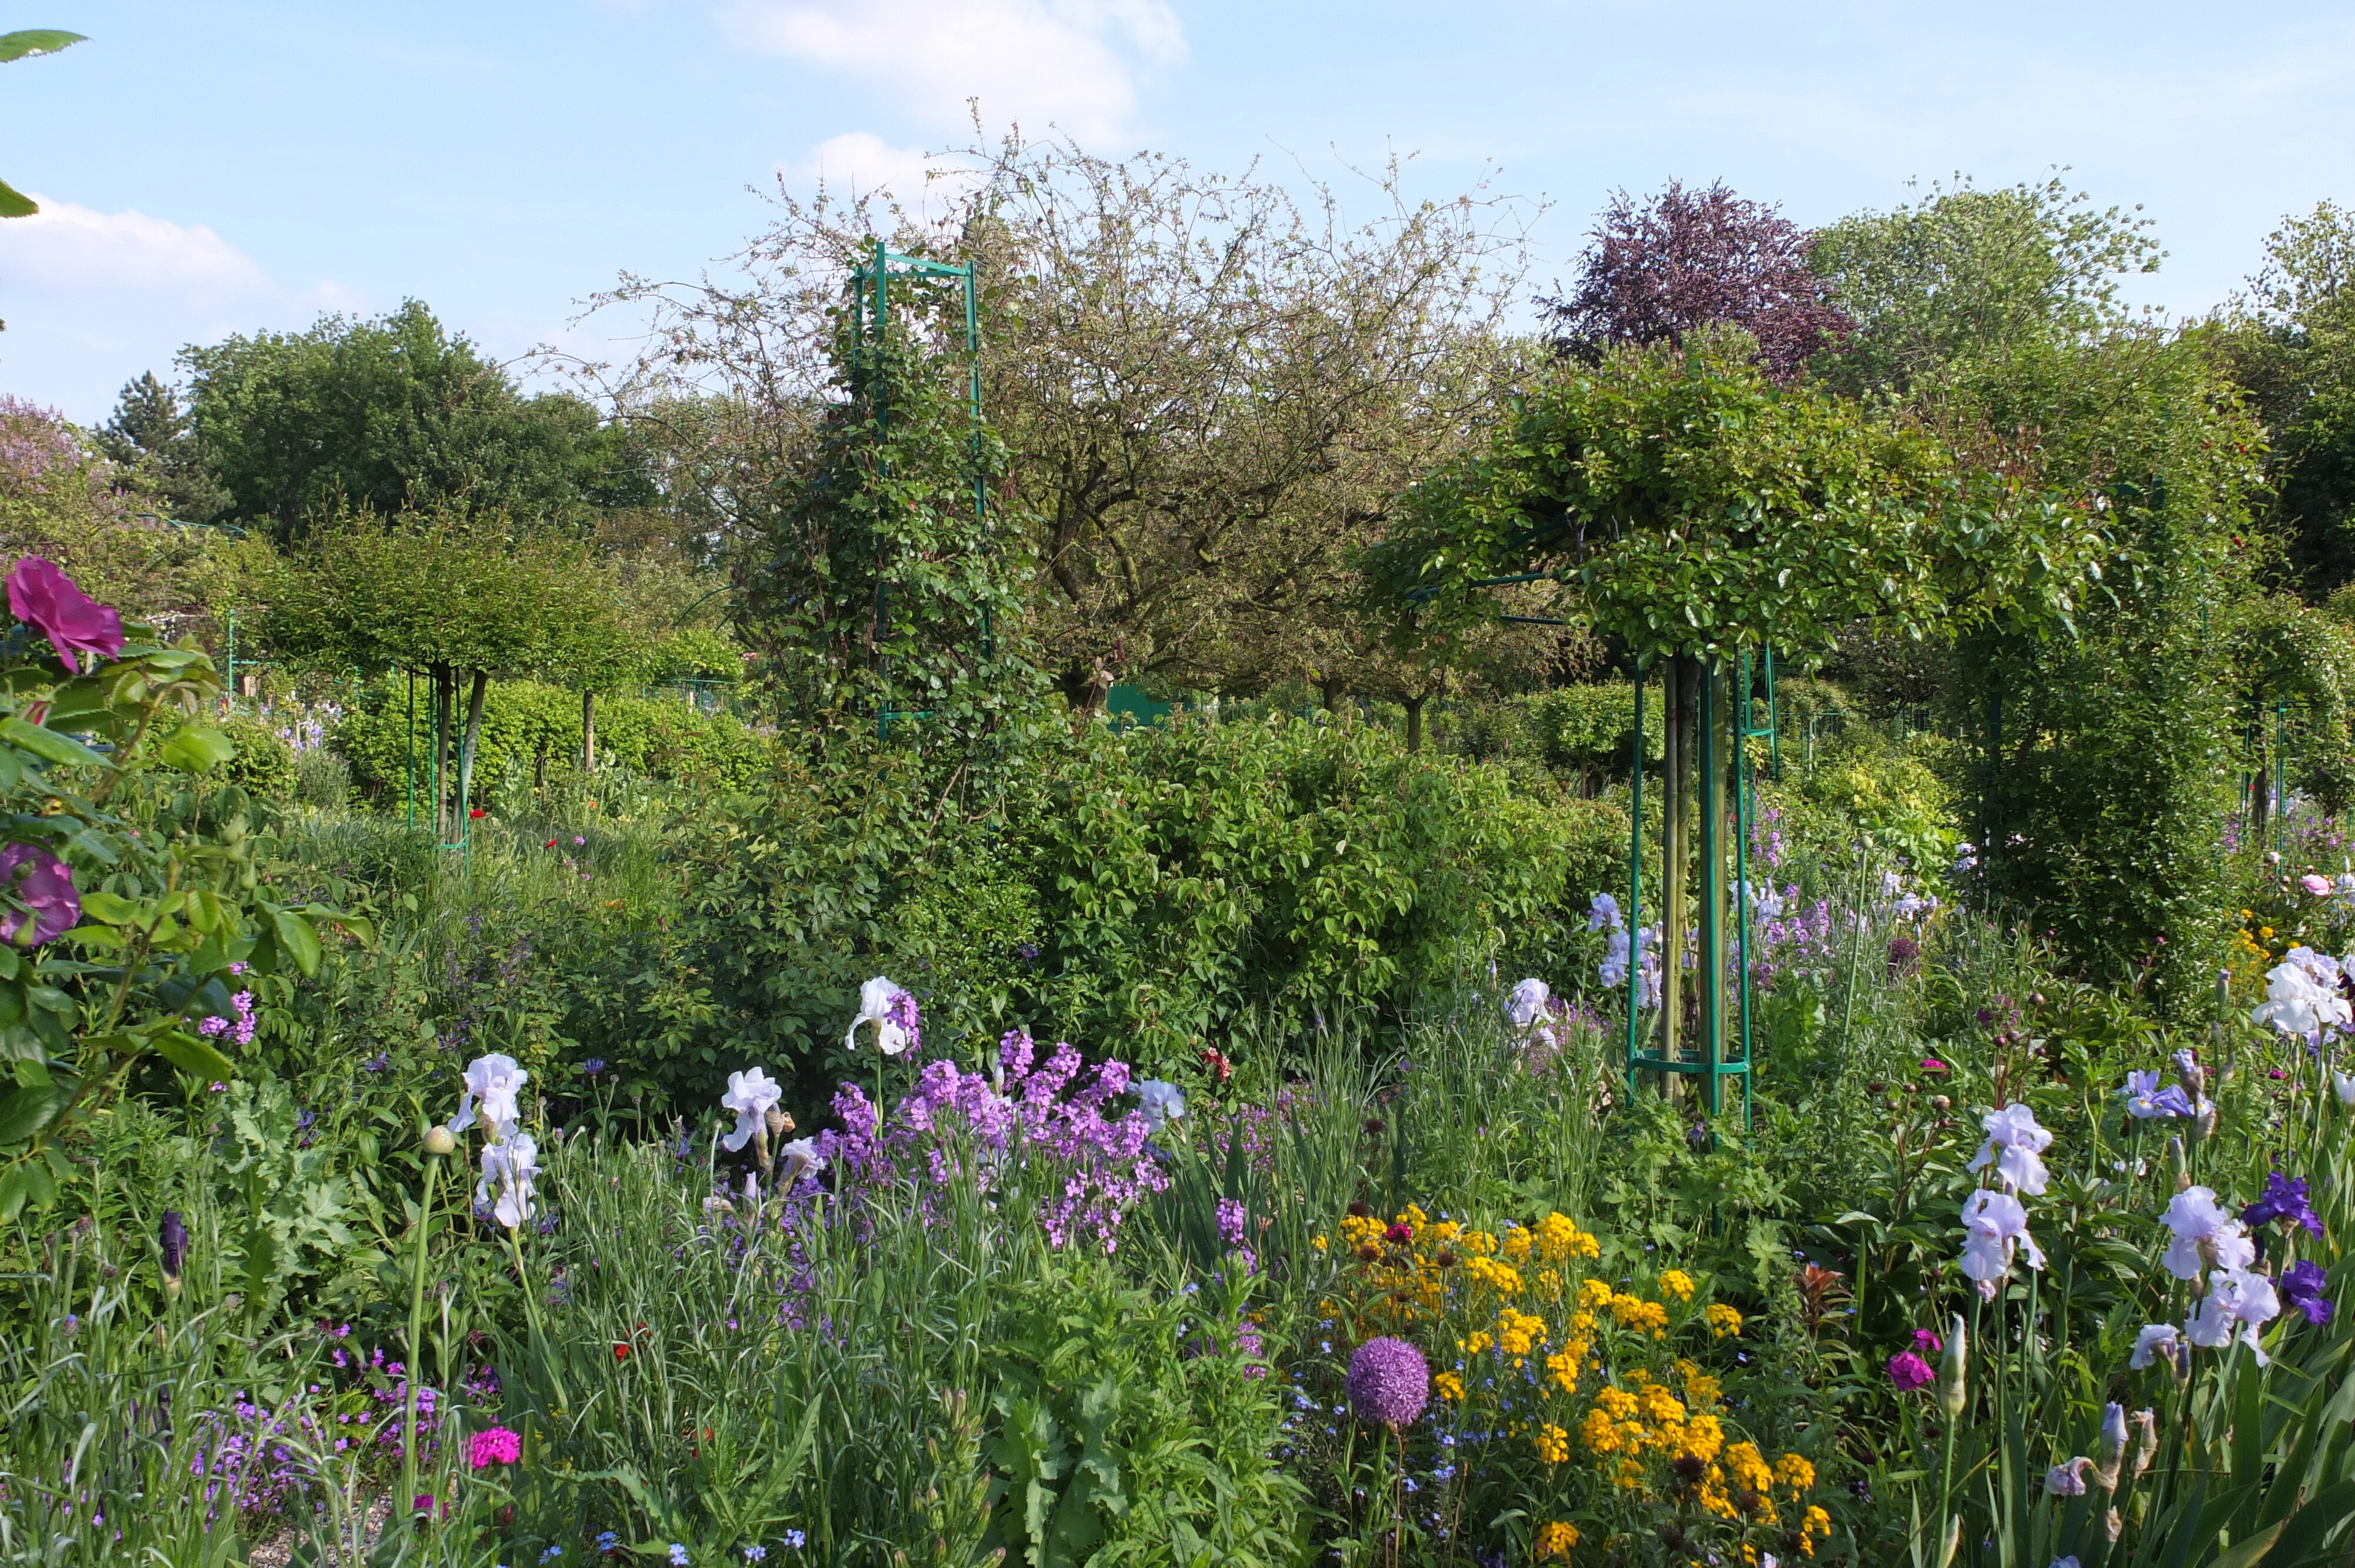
{"x":466,"y":749}
{"x":1330,"y":693}
{"x":443,"y":679}
{"x":1414,"y":721}
{"x":588,"y":732}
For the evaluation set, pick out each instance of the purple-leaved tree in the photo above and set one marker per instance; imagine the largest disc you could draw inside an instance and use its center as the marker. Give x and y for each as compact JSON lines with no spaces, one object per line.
{"x":1687,"y":259}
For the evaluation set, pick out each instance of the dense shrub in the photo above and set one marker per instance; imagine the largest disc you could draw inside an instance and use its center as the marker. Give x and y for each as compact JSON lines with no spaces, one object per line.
{"x":526,"y":724}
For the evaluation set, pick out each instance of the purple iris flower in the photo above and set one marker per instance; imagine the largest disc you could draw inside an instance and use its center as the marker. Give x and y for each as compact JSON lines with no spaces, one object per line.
{"x":2301,"y":1288}
{"x":44,"y":885}
{"x":46,"y":599}
{"x":2284,"y":1200}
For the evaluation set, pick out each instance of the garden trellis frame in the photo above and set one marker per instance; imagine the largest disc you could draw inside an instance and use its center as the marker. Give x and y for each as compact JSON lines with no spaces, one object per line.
{"x":1711,"y":1065}
{"x":870,"y":283}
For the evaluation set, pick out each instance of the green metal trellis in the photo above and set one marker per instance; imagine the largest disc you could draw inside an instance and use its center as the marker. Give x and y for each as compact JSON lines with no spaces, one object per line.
{"x":870,"y":292}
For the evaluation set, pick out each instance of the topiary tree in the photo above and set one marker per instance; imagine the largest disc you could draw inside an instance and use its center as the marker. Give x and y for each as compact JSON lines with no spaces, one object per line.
{"x":1700,"y":512}
{"x":455,"y":604}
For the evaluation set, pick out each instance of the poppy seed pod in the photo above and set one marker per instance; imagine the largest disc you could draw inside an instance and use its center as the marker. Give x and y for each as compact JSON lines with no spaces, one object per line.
{"x":1952,"y":1370}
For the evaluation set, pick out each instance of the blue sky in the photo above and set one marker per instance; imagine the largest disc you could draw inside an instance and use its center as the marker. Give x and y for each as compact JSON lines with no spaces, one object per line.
{"x":243,"y":164}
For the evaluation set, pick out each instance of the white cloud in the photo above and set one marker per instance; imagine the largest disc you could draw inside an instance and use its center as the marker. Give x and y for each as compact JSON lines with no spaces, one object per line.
{"x":1068,"y":63}
{"x":70,"y":250}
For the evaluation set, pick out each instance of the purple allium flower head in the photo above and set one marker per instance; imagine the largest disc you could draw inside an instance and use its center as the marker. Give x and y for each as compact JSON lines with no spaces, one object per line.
{"x":2284,"y":1200}
{"x":44,"y":885}
{"x":172,"y":1236}
{"x":1390,"y":1382}
{"x":45,"y":599}
{"x":1910,"y":1372}
{"x":2301,"y":1288}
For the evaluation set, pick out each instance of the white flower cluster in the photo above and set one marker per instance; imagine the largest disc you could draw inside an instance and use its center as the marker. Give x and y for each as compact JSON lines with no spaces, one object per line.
{"x":510,"y":1158}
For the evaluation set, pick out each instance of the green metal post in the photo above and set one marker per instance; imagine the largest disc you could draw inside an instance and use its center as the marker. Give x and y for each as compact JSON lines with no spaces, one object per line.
{"x":1773,"y":723}
{"x":2281,"y":778}
{"x":229,"y":682}
{"x":409,"y":790}
{"x":1636,"y":889}
{"x":1713,"y":936}
{"x":1741,"y":817}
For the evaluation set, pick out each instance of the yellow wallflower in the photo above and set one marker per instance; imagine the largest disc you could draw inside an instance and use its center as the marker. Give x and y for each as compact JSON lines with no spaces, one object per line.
{"x":1678,"y":1283}
{"x":1635,"y":1312}
{"x":1317,"y":1242}
{"x":1748,"y":1468}
{"x":1722,"y":1320}
{"x":1449,"y":1385}
{"x":1552,"y":1444}
{"x":1598,"y":1433}
{"x":1659,"y":1405}
{"x":1703,"y":1389}
{"x":1703,"y":1439}
{"x":1502,"y":1278}
{"x":1594,"y":1293}
{"x":1516,"y":1244}
{"x":1555,"y":1540}
{"x":1517,"y":1332}
{"x":1795,"y":1472}
{"x":1475,"y":1345}
{"x":1564,"y":1366}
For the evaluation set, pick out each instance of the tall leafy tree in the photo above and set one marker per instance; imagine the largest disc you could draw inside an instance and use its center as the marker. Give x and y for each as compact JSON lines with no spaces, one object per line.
{"x":152,"y":434}
{"x":2290,"y":340}
{"x":393,"y":414}
{"x":1657,"y":270}
{"x":443,"y":598}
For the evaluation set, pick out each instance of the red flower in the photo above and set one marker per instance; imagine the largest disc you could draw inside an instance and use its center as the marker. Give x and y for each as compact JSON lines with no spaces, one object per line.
{"x":551,"y":844}
{"x":1217,"y":1064}
{"x":621,"y":1352}
{"x":475,"y":811}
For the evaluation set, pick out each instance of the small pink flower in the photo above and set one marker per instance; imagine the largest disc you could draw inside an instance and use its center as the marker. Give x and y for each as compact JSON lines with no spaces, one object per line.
{"x":1932,"y":1065}
{"x":1926,"y":1342}
{"x":2317,"y":885}
{"x":1910,"y":1372}
{"x":497,"y":1446}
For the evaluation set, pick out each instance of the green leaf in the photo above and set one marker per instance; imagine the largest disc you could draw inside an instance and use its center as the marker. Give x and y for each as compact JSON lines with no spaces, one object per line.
{"x":191,"y":1054}
{"x":195,"y":747}
{"x":14,"y":203}
{"x":35,"y":41}
{"x":26,"y":1111}
{"x":110,"y":907}
{"x":48,"y":743}
{"x":28,"y":1182}
{"x":296,"y":939}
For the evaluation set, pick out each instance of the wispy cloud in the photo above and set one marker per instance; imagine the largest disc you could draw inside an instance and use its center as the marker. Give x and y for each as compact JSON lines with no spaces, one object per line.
{"x":66,"y":248}
{"x":1070,"y":63}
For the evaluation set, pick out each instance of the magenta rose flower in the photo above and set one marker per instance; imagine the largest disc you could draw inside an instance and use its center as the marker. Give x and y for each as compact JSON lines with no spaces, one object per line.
{"x":44,"y":885}
{"x":46,"y":599}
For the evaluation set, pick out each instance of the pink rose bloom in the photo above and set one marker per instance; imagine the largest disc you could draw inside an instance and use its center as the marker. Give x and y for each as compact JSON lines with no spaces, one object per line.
{"x":1932,"y":1065}
{"x":46,"y":599}
{"x":2317,"y":885}
{"x":496,"y":1447}
{"x":1910,"y":1372}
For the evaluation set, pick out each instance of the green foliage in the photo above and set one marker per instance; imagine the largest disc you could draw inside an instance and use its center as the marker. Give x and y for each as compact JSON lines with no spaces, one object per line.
{"x":873,"y":584}
{"x":27,"y":45}
{"x":527,"y":724}
{"x":1128,"y":1430}
{"x":263,"y":766}
{"x":1967,"y":276}
{"x":1702,"y":510}
{"x":392,"y":415}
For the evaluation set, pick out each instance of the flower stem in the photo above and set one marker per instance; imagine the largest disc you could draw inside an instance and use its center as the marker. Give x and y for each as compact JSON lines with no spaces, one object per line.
{"x":407,"y":1498}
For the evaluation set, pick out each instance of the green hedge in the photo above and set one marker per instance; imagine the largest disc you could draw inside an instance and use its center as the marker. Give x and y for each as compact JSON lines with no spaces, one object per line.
{"x":523,"y":720}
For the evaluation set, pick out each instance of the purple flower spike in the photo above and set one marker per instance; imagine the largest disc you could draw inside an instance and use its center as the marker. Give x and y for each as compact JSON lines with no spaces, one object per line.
{"x":172,"y":1236}
{"x":44,"y":885}
{"x":2284,"y":1200}
{"x":46,"y":599}
{"x":1390,"y":1382}
{"x":2301,"y":1289}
